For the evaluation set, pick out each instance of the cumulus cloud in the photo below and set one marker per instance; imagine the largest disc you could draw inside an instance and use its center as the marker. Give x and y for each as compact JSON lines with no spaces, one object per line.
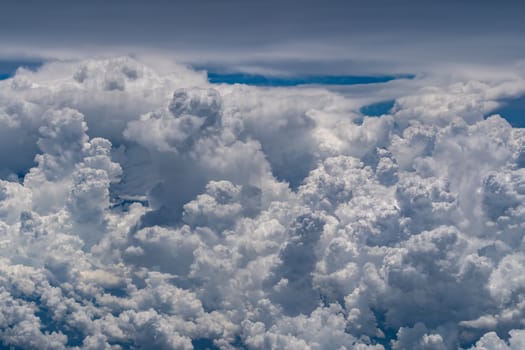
{"x":151,"y":209}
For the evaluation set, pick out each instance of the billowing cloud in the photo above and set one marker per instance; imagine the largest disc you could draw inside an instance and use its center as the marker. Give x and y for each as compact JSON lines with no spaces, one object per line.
{"x":141,"y":208}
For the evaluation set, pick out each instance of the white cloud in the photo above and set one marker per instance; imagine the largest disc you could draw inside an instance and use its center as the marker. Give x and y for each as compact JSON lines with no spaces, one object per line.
{"x":141,"y":206}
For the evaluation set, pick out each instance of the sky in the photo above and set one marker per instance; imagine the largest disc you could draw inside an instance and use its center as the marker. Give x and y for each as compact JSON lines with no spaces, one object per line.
{"x":262,"y":175}
{"x":379,"y":36}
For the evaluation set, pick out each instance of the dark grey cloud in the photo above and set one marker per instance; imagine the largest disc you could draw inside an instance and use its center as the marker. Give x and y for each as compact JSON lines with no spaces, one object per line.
{"x":285,"y":35}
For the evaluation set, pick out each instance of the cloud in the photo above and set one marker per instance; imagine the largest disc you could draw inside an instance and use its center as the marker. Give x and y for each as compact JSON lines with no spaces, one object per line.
{"x":142,"y":206}
{"x":491,"y":341}
{"x":273,"y":36}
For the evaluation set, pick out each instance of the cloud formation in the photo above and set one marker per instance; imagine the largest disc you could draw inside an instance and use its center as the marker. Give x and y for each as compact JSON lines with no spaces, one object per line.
{"x":140,"y":209}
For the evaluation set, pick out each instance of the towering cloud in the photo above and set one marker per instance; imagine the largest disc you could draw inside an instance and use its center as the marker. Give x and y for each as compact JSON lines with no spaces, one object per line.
{"x":140,"y":209}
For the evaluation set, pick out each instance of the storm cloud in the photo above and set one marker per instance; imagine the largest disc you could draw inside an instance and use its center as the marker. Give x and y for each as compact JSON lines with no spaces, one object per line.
{"x":143,"y":207}
{"x":292,"y":36}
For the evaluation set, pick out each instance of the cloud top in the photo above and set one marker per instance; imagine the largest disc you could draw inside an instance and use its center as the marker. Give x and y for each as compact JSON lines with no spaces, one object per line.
{"x":140,"y":208}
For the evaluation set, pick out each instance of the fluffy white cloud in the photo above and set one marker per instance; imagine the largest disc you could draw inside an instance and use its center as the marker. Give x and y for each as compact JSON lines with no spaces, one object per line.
{"x":143,"y":208}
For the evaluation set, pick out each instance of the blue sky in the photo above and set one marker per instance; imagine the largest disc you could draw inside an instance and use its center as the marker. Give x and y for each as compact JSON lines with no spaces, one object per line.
{"x":268,"y":80}
{"x":8,"y":67}
{"x":513,"y":110}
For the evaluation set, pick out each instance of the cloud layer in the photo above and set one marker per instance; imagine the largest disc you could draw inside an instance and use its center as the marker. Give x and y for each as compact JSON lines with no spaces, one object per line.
{"x":145,"y":209}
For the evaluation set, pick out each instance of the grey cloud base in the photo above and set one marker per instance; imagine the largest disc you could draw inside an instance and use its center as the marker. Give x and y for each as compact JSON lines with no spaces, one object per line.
{"x":149,"y":210}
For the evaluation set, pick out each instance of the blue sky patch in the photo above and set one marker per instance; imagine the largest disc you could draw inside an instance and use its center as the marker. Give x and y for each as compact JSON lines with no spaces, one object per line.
{"x":378,"y":108}
{"x":513,"y":110}
{"x":275,"y":81}
{"x":8,"y":67}
{"x":203,"y":344}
